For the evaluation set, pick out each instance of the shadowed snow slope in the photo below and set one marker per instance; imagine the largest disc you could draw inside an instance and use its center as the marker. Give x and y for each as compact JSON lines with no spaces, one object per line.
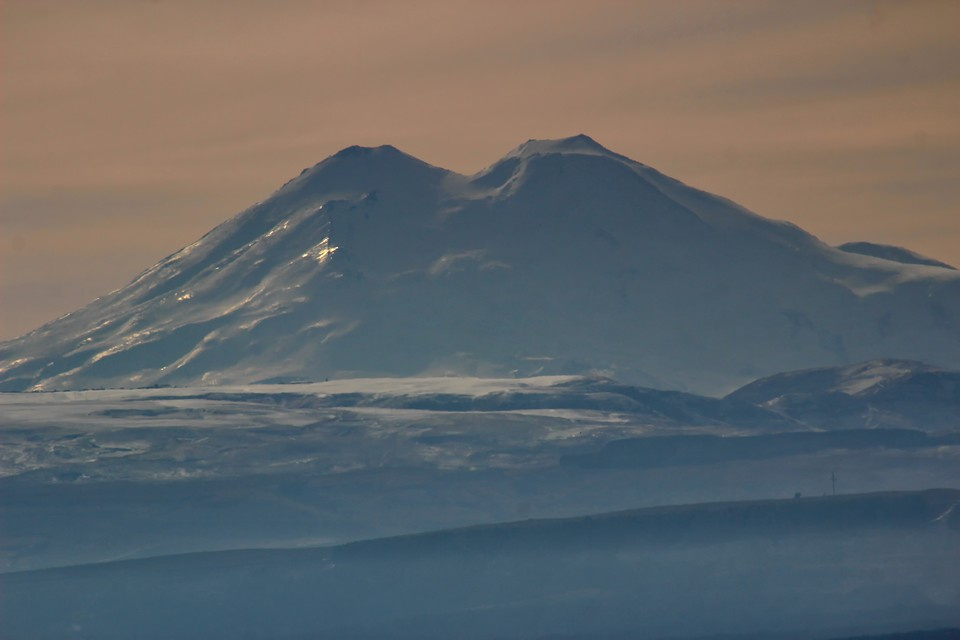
{"x":562,"y":257}
{"x":879,"y":393}
{"x":888,"y":252}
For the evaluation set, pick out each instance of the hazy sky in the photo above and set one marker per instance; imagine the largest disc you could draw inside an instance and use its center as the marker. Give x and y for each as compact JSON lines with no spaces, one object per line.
{"x":131,"y":128}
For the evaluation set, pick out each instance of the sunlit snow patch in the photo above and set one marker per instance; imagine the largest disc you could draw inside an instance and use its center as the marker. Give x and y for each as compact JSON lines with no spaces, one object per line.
{"x":279,"y":227}
{"x":126,"y":343}
{"x":321,"y":251}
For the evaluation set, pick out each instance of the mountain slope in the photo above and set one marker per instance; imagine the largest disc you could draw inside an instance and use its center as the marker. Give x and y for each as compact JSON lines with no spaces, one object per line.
{"x":562,"y":257}
{"x":879,"y":393}
{"x":890,"y":252}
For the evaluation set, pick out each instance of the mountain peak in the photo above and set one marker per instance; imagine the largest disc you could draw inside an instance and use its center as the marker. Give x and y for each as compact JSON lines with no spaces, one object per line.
{"x":580,"y":143}
{"x":357,"y":150}
{"x":514,"y":162}
{"x":384,"y":154}
{"x":357,"y":169}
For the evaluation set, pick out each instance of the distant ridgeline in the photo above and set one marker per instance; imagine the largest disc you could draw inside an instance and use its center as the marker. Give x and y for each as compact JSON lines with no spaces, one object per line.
{"x":772,"y":569}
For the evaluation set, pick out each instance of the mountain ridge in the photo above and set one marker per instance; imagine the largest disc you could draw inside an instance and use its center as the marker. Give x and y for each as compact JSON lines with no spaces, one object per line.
{"x":784,"y":568}
{"x":665,"y":524}
{"x":891,"y":252}
{"x":877,"y":393}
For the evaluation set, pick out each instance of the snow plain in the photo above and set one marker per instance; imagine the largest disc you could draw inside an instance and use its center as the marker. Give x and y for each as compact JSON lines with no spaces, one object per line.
{"x":97,"y":475}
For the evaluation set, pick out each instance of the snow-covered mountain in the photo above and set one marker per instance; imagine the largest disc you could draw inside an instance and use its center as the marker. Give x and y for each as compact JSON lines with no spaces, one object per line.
{"x":879,"y":393}
{"x":562,"y":257}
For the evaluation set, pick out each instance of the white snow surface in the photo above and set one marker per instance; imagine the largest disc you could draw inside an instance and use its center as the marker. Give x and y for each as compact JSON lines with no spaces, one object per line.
{"x":859,"y":379}
{"x":236,"y":430}
{"x":852,"y":380}
{"x":123,"y":473}
{"x":561,"y":258}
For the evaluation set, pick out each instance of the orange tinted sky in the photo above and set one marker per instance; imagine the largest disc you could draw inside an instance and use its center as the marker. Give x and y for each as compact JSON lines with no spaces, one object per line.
{"x":131,"y":128}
